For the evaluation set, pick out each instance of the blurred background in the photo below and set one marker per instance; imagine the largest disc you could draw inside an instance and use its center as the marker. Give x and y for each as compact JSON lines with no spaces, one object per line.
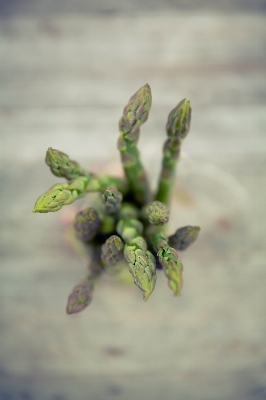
{"x":67,"y":70}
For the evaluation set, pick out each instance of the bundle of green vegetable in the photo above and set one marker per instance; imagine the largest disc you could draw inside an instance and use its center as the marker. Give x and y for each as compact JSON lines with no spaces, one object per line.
{"x":128,"y":224}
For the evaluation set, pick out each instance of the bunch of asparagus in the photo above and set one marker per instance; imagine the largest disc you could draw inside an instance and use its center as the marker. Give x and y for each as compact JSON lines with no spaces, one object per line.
{"x":129,"y":222}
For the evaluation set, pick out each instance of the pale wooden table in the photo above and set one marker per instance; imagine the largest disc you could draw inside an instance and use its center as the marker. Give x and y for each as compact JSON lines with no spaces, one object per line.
{"x":64,"y":81}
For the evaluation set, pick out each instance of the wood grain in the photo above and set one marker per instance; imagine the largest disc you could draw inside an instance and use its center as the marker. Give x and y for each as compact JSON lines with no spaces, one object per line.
{"x":64,"y":81}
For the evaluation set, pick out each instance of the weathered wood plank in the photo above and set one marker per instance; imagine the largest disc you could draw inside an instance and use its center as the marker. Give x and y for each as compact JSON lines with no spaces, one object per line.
{"x":65,"y":80}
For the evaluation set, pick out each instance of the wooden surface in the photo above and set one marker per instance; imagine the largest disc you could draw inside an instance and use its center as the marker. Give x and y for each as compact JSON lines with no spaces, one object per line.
{"x":65,"y":79}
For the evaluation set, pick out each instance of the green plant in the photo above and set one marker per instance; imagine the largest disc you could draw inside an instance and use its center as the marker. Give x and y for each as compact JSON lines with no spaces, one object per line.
{"x":129,"y":221}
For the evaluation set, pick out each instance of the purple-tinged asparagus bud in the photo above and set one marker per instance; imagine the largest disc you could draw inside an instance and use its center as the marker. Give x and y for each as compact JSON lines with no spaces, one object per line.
{"x":80,"y":297}
{"x":112,"y":251}
{"x":87,"y":224}
{"x":112,"y":199}
{"x":184,"y":237}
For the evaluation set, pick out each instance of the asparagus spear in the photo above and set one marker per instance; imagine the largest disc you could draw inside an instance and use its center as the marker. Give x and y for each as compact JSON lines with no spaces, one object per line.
{"x":87,"y":224}
{"x":112,"y":251}
{"x":177,"y":128}
{"x":169,"y":260}
{"x":65,"y":193}
{"x":80,"y":297}
{"x":82,"y":293}
{"x":157,"y":213}
{"x":183,"y":237}
{"x":112,"y":199}
{"x":142,"y":264}
{"x":61,"y":165}
{"x":134,"y":115}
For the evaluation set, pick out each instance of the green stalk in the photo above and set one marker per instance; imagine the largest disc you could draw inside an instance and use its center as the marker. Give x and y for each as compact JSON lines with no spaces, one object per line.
{"x":62,"y":194}
{"x":134,"y":115}
{"x":177,"y":128}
